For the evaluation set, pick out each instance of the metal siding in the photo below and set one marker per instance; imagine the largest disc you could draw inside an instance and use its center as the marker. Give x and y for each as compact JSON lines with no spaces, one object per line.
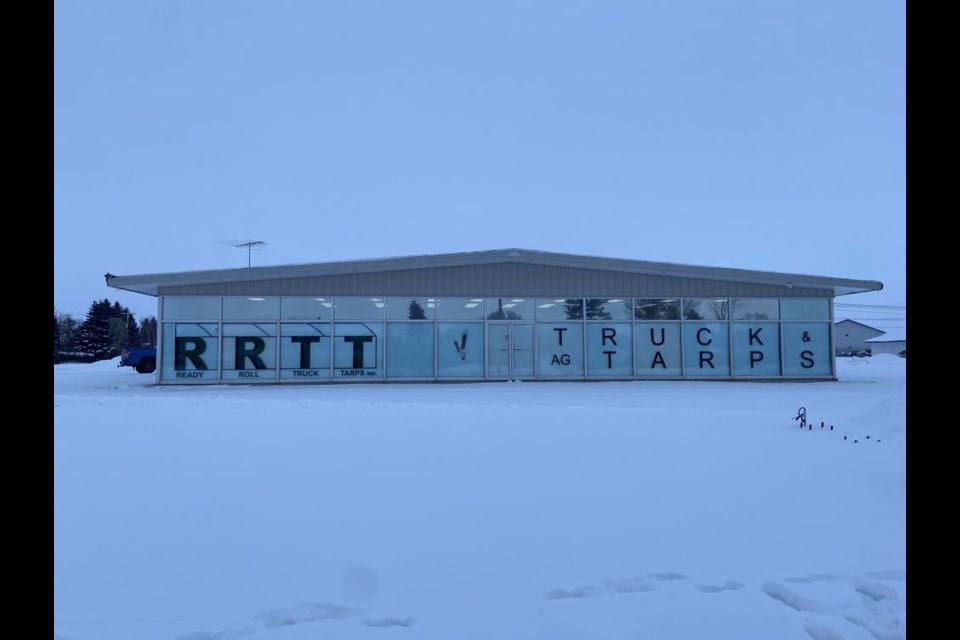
{"x":551,"y":269}
{"x":505,"y":279}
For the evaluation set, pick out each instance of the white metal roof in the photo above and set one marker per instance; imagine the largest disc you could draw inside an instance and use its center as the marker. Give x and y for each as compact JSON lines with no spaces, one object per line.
{"x":891,"y":335}
{"x":150,"y":283}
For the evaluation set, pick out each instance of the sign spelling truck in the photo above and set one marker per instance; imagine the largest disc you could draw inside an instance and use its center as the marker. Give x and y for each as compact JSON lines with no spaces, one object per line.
{"x":307,"y":351}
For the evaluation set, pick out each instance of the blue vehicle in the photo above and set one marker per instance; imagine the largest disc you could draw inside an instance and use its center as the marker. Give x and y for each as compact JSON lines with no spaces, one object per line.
{"x":143,"y":359}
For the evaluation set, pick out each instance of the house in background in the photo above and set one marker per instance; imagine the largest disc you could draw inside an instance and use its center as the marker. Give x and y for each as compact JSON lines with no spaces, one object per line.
{"x":893,"y":341}
{"x":850,"y":337}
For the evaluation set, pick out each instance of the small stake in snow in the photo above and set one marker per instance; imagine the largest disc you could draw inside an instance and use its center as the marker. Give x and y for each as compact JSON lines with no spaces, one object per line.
{"x":831,"y":427}
{"x":868,"y":437}
{"x":802,"y":417}
{"x":844,"y":437}
{"x":821,"y":424}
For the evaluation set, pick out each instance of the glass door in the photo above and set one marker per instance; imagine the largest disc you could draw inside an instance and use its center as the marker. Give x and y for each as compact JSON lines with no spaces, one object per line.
{"x":509,"y":350}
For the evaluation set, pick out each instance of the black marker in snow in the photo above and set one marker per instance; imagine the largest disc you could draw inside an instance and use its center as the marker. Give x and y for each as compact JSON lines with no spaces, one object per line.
{"x":844,"y":437}
{"x":802,"y":416}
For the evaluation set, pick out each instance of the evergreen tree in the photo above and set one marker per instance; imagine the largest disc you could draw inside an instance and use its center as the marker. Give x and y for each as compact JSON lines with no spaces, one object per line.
{"x":573,"y":307}
{"x":416,"y":311}
{"x":93,"y":336}
{"x":595,"y":310}
{"x":56,"y":336}
{"x":105,"y":331}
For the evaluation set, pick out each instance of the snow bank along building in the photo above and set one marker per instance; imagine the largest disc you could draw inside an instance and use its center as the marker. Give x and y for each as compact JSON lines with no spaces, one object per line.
{"x":510,"y":314}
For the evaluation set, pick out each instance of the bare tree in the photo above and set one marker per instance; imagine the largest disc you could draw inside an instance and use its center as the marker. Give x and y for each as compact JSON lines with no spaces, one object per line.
{"x":148,"y":332}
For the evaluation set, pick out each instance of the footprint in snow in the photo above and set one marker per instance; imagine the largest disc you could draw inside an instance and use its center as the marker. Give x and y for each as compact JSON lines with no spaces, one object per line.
{"x":388,"y":622}
{"x":618,"y":585}
{"x":663,"y":577}
{"x":307,"y":612}
{"x":226,"y":634}
{"x":889,"y":574}
{"x":729,"y":585}
{"x":874,"y":591}
{"x":577,"y":592}
{"x":811,"y":577}
{"x":822,"y":632}
{"x":628,"y":585}
{"x":795,"y":601}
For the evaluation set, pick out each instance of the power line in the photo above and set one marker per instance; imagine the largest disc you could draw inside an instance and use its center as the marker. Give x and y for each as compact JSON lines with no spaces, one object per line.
{"x":870,"y":306}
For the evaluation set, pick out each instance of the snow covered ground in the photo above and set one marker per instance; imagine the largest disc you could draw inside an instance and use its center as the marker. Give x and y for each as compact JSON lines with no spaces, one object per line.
{"x":662,"y":510}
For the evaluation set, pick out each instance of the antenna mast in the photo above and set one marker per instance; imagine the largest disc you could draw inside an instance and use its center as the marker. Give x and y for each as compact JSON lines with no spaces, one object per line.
{"x":249,"y":244}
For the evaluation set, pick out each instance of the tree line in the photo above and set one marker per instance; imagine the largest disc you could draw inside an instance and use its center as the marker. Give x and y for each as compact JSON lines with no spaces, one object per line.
{"x":107,"y":329}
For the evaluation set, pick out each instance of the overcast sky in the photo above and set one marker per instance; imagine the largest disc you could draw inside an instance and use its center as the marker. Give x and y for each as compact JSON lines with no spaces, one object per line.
{"x":764,"y":134}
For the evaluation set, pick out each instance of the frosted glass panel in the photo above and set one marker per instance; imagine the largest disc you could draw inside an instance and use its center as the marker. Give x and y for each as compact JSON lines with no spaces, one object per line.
{"x":190,"y":352}
{"x":560,"y":349}
{"x":756,"y":349}
{"x":460,"y":349}
{"x":706,"y":349}
{"x":250,"y":352}
{"x":305,"y":351}
{"x":804,"y":309}
{"x":410,"y":350}
{"x":609,"y":349}
{"x":806,"y":349}
{"x":658,"y":349}
{"x":357,"y":350}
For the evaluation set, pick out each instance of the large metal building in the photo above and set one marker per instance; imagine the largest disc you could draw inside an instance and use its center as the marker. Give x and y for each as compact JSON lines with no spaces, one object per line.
{"x":510,"y":314}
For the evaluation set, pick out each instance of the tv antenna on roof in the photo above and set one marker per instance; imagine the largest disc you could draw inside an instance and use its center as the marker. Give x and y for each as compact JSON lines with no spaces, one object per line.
{"x":250,"y":245}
